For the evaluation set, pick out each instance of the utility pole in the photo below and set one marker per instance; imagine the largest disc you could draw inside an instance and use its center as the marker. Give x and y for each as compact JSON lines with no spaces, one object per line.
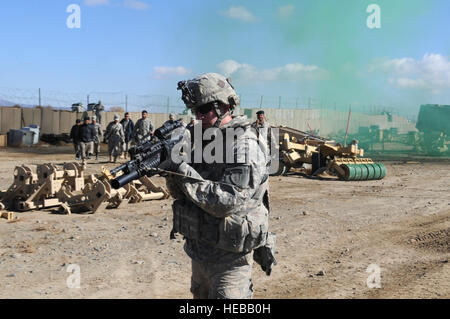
{"x":42,"y":111}
{"x":348,"y":124}
{"x":260,"y":103}
{"x":126,"y":103}
{"x":87,"y":101}
{"x":279,"y":102}
{"x":296,"y":103}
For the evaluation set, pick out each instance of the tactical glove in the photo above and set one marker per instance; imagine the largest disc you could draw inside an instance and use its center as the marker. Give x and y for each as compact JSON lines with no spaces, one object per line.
{"x":167,"y":163}
{"x":265,"y":255}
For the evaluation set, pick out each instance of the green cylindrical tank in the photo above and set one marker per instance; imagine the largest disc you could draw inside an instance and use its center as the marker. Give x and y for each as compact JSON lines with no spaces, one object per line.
{"x":363,"y":172}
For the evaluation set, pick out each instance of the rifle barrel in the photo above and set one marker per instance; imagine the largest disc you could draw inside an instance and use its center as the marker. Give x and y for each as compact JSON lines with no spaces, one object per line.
{"x":117,"y":169}
{"x":124,"y":179}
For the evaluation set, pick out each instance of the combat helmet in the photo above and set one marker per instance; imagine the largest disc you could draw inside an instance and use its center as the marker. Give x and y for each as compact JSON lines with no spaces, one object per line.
{"x":209,"y":88}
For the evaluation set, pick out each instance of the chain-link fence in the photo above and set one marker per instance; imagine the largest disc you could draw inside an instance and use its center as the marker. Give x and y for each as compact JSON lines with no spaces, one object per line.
{"x":379,"y":128}
{"x":155,"y":103}
{"x":158,"y":103}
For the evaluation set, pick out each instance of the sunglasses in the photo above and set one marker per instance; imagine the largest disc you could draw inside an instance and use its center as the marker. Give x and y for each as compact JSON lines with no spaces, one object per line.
{"x":204,"y":109}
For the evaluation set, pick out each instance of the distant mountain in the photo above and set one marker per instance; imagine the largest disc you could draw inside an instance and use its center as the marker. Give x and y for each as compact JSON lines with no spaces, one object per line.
{"x":6,"y":103}
{"x":9,"y":103}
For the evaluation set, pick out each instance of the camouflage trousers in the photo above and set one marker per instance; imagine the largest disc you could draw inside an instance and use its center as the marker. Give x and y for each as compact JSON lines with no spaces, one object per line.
{"x":232,"y":280}
{"x":96,"y":147}
{"x":114,"y":148}
{"x":125,"y":147}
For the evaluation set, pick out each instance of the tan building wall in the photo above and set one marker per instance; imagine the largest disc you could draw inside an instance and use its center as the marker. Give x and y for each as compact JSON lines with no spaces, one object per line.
{"x":327,"y":121}
{"x":330,"y":121}
{"x":10,"y":119}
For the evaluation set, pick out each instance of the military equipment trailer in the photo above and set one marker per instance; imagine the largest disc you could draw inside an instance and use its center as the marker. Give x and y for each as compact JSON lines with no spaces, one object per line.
{"x":298,"y":148}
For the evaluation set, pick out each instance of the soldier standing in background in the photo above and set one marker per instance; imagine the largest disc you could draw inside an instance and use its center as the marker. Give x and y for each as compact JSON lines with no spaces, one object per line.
{"x":128,"y":128}
{"x":262,"y":128}
{"x":354,"y":142}
{"x":143,"y":130}
{"x":75,"y":138}
{"x":99,"y":108}
{"x":86,"y":135}
{"x":191,"y":123}
{"x":171,"y":118}
{"x":265,"y":133}
{"x":224,"y":214}
{"x":97,"y":137}
{"x":115,"y":136}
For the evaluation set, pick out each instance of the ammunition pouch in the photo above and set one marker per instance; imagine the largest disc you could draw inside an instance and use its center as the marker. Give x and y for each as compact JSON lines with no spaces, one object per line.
{"x":233,"y":233}
{"x":188,"y":220}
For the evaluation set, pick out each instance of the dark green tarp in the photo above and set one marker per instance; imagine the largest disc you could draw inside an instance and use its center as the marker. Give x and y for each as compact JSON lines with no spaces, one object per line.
{"x":434,"y":118}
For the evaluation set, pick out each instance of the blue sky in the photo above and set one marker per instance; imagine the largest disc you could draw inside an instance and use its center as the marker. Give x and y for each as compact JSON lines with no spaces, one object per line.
{"x":321,"y":49}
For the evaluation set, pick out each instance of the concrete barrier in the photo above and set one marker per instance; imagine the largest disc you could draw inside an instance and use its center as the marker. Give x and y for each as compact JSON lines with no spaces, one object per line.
{"x":31,"y":116}
{"x":329,"y":121}
{"x":10,"y":119}
{"x":66,"y":121}
{"x":326,"y":121}
{"x":48,"y":118}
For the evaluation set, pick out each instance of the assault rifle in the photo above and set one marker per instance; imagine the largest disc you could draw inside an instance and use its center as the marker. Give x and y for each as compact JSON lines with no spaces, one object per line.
{"x":147,"y":156}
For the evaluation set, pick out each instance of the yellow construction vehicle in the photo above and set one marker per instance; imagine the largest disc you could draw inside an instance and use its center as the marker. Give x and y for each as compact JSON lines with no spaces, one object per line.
{"x":320,"y":155}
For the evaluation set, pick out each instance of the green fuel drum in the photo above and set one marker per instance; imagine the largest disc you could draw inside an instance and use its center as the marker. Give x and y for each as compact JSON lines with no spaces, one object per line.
{"x":363,"y":172}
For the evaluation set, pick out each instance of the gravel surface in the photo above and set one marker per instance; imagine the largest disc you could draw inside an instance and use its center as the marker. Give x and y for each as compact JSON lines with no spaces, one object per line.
{"x":328,"y":234}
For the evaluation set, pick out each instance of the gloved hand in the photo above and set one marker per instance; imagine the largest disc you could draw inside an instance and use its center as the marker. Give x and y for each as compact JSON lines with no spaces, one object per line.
{"x":167,"y":163}
{"x":265,"y":255}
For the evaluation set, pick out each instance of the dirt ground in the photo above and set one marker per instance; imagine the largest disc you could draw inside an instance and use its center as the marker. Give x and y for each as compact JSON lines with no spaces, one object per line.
{"x":328,"y":233}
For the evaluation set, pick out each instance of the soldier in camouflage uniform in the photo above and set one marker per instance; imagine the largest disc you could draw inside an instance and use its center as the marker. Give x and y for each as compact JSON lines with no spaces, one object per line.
{"x":223,"y":213}
{"x":128,"y":128}
{"x":265,"y":133}
{"x":99,"y":108}
{"x":97,"y":137}
{"x":171,"y":118}
{"x":116,"y":137}
{"x":191,"y":123}
{"x":262,"y":127}
{"x":143,"y":129}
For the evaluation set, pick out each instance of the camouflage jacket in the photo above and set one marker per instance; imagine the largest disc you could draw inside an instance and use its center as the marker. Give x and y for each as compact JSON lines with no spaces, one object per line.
{"x":143,"y":129}
{"x":114,"y":133}
{"x":225,"y":215}
{"x":98,"y":132}
{"x":263,"y":131}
